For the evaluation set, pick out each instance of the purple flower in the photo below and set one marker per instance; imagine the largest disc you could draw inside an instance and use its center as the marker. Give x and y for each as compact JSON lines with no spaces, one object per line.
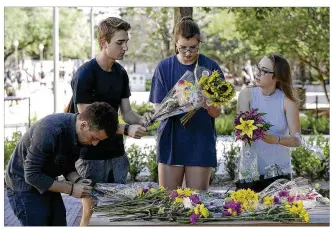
{"x":283,"y":193}
{"x":145,"y":190}
{"x":276,"y":200}
{"x":195,"y":199}
{"x":173,"y":195}
{"x":235,"y":206}
{"x":211,"y":203}
{"x":193,"y":218}
{"x":226,"y":213}
{"x":291,"y":199}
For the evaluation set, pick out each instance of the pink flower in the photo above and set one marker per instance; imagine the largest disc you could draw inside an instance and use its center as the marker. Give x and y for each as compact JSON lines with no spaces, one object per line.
{"x":283,"y":193}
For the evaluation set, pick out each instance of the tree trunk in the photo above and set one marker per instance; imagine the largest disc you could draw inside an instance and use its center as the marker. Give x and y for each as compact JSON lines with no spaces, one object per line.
{"x":180,"y":12}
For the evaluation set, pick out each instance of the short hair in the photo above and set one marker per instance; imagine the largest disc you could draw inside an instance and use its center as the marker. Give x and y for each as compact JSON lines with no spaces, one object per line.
{"x":109,"y":26}
{"x":186,"y":28}
{"x":101,"y":116}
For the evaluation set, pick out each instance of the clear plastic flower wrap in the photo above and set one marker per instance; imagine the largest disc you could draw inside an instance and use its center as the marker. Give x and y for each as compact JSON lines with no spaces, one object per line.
{"x":193,"y":91}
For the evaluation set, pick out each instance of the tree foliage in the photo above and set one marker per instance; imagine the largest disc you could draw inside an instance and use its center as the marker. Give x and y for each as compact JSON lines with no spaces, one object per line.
{"x":32,"y":26}
{"x":151,"y":32}
{"x":300,"y":33}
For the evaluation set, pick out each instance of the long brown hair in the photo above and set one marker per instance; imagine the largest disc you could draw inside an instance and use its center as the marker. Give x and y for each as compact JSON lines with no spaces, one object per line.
{"x":186,"y":28}
{"x":283,"y":74}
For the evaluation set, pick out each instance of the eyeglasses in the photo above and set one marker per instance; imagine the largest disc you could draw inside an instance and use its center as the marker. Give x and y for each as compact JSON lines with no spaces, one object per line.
{"x":259,"y":71}
{"x":189,"y":49}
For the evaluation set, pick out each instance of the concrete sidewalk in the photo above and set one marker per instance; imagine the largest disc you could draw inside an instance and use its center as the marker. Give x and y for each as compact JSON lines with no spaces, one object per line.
{"x":73,"y":207}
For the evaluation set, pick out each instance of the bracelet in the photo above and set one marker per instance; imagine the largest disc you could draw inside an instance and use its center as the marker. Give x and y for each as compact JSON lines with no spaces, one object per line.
{"x":278,"y":140}
{"x":72,"y":188}
{"x":78,"y":179}
{"x":125,"y":132}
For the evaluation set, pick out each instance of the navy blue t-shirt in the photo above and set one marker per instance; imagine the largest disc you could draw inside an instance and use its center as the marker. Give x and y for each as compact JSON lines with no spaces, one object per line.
{"x":194,"y":144}
{"x":92,"y":84}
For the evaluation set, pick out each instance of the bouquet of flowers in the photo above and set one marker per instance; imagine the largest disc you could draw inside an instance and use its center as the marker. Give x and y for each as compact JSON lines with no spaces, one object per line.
{"x":283,"y":200}
{"x":193,"y":91}
{"x":216,"y":92}
{"x":250,"y":126}
{"x":183,"y":97}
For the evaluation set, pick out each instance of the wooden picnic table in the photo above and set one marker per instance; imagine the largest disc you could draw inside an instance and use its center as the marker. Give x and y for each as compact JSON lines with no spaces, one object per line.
{"x":319,"y":216}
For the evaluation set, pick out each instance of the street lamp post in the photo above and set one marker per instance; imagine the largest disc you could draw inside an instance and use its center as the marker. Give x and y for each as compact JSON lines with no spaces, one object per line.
{"x":41,"y":48}
{"x":16,"y":43}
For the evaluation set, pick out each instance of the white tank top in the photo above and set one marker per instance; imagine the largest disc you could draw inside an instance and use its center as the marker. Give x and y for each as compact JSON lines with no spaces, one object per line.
{"x":269,"y":154}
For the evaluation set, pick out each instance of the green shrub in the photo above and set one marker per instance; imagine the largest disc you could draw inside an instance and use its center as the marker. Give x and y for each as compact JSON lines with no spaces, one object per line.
{"x":147,"y":85}
{"x":10,"y":144}
{"x":142,"y":108}
{"x":136,"y":163}
{"x":230,"y":108}
{"x":152,"y":163}
{"x":306,"y":164}
{"x":214,"y":171}
{"x":312,"y":125}
{"x":231,"y":161}
{"x":225,"y":124}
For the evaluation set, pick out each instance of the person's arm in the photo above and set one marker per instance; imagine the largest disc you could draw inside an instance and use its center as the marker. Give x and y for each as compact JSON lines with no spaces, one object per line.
{"x":294,"y":126}
{"x":129,"y":116}
{"x":244,"y":99}
{"x":73,"y":175}
{"x":40,"y":149}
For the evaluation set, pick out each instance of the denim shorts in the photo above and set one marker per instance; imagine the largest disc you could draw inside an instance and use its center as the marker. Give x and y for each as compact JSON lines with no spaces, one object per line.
{"x":35,"y":209}
{"x":113,"y":170}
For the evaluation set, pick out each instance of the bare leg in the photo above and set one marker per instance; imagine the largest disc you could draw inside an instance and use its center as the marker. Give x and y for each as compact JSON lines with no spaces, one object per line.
{"x":184,"y":182}
{"x":171,"y":177}
{"x":87,"y":204}
{"x":198,"y":177}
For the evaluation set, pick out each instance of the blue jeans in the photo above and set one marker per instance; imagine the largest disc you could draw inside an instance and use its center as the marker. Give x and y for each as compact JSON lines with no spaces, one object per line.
{"x":104,"y":171}
{"x":35,"y":209}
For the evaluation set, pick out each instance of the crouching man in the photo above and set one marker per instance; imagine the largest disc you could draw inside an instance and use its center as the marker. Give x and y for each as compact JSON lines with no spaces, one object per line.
{"x":47,"y":150}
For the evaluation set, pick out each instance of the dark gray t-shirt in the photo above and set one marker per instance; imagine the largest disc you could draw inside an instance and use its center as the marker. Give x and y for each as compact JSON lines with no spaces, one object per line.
{"x":92,"y":84}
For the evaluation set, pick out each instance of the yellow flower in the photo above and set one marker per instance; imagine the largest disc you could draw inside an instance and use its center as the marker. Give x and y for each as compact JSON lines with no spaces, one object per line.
{"x":247,"y":198}
{"x":293,"y":210}
{"x":187,"y":192}
{"x":267,"y":201}
{"x":180,"y":191}
{"x":196,"y":210}
{"x":140,"y":192}
{"x":162,"y":188}
{"x":247,"y":127}
{"x":178,"y":200}
{"x":152,"y":190}
{"x":188,"y":84}
{"x":202,"y":80}
{"x":204,"y":212}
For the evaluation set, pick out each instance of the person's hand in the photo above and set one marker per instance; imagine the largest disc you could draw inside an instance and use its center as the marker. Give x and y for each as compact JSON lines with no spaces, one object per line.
{"x":85,"y":181}
{"x":81,"y":190}
{"x":270,"y":138}
{"x":146,"y":118}
{"x":136,"y":131}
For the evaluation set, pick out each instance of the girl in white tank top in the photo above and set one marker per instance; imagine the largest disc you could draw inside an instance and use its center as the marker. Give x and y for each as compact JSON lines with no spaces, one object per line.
{"x":274,"y":96}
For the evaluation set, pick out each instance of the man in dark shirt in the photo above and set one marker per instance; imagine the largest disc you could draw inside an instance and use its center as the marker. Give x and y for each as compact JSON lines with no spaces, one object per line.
{"x":103,"y":79}
{"x":47,"y":150}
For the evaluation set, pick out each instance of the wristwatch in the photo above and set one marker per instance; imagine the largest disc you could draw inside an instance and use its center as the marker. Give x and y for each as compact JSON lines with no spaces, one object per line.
{"x":125,"y":132}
